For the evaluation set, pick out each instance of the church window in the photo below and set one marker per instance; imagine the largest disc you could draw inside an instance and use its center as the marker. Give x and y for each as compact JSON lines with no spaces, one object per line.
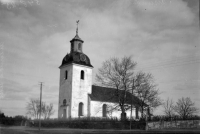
{"x":104,"y":110}
{"x":79,"y":46}
{"x":82,"y":74}
{"x":80,"y":109}
{"x":66,"y":73}
{"x":64,"y":102}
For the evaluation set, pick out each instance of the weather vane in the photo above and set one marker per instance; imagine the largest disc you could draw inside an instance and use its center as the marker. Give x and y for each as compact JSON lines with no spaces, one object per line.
{"x":77,"y":27}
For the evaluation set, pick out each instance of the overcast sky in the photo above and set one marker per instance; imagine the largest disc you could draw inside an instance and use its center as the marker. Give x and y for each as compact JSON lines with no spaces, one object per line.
{"x":162,"y":36}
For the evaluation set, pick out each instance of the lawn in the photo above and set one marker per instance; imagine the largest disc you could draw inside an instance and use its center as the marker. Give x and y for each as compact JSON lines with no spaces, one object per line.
{"x":29,"y":130}
{"x":12,"y":131}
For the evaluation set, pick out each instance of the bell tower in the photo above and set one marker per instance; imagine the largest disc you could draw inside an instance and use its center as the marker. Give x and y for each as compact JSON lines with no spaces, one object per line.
{"x":75,"y":81}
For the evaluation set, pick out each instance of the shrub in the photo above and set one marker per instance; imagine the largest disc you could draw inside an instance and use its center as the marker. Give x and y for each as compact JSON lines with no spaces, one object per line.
{"x":89,"y":123}
{"x":9,"y":121}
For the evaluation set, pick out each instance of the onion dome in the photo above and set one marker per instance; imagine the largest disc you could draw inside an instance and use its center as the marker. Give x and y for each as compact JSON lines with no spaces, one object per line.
{"x":77,"y":58}
{"x":76,"y":55}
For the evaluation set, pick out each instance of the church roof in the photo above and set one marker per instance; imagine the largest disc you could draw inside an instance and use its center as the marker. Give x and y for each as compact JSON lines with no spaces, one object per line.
{"x":76,"y":57}
{"x":105,"y":94}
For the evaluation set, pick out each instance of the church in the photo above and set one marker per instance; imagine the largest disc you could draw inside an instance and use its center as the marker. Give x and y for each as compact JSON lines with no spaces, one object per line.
{"x":77,"y":96}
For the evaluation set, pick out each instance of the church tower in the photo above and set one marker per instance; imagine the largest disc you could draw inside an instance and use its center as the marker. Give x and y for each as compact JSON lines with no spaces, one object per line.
{"x":75,"y":81}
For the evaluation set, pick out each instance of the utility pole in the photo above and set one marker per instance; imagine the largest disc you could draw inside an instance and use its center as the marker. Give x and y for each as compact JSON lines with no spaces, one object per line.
{"x":40,"y":104}
{"x":132,"y":102}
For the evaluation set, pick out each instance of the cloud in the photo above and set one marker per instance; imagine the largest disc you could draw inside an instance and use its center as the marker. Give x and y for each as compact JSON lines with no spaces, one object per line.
{"x":8,"y":1}
{"x":156,"y":33}
{"x":190,"y":85}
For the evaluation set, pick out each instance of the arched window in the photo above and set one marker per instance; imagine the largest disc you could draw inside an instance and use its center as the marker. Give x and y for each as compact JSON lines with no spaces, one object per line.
{"x":79,"y":46}
{"x":80,"y":109}
{"x":104,"y":110}
{"x":66,"y":74}
{"x":82,"y":74}
{"x":64,"y":102}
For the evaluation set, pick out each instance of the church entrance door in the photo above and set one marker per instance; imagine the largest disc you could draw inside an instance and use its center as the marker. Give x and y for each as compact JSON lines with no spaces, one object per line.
{"x":64,"y":113}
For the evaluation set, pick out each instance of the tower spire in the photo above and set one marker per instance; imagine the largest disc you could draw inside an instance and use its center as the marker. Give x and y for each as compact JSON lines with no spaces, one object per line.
{"x":77,"y":27}
{"x":76,"y":38}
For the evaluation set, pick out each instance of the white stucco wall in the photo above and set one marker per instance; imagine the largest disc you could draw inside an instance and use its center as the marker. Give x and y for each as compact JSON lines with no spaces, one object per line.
{"x":74,"y":89}
{"x":97,"y":108}
{"x":65,"y":90}
{"x":80,"y":89}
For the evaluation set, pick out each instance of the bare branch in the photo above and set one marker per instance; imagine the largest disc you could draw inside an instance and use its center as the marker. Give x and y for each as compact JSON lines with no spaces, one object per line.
{"x":33,"y":109}
{"x":185,"y":107}
{"x":169,"y":107}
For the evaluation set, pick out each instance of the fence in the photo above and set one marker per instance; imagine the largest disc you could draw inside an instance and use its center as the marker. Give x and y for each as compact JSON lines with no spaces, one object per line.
{"x":173,"y":124}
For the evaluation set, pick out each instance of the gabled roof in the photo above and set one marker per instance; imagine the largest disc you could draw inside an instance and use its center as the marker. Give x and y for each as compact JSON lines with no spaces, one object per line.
{"x":105,"y":94}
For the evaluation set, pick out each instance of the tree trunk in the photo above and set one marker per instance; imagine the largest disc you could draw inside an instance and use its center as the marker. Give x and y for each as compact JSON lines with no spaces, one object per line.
{"x":123,"y":118}
{"x":123,"y":114}
{"x":142,"y":112}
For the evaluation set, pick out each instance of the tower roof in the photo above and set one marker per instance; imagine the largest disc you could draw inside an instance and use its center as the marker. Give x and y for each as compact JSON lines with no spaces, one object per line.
{"x":76,"y":55}
{"x":77,"y":38}
{"x":78,"y":58}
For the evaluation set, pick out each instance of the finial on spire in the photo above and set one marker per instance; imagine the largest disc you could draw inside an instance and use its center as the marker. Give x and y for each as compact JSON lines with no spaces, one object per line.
{"x":77,"y":27}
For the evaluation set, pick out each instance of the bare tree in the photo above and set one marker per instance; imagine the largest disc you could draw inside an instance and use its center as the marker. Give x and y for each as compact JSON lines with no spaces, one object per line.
{"x":33,"y":109}
{"x":147,"y":92}
{"x":185,"y":107}
{"x":117,"y":74}
{"x":168,"y":106}
{"x":48,"y":111}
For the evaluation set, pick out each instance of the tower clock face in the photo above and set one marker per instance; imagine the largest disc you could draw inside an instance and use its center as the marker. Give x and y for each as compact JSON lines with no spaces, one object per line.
{"x":82,"y":57}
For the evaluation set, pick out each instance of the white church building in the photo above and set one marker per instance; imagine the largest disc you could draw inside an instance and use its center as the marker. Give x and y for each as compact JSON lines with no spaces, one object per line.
{"x":77,"y":96}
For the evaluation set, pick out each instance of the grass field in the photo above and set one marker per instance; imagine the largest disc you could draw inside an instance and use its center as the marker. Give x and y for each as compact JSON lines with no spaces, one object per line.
{"x":28,"y":130}
{"x":12,"y":131}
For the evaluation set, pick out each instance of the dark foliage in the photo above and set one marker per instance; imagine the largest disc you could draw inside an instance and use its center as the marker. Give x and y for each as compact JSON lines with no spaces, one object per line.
{"x":2,"y":115}
{"x":89,"y":123}
{"x":9,"y":121}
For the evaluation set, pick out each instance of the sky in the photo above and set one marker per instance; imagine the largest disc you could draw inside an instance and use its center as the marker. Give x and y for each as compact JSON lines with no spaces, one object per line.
{"x":162,"y":36}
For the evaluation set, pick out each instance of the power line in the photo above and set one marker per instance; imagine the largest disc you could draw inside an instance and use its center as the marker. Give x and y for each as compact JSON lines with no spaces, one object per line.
{"x":170,"y":65}
{"x":175,"y":61}
{"x":166,"y":61}
{"x":181,"y":80}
